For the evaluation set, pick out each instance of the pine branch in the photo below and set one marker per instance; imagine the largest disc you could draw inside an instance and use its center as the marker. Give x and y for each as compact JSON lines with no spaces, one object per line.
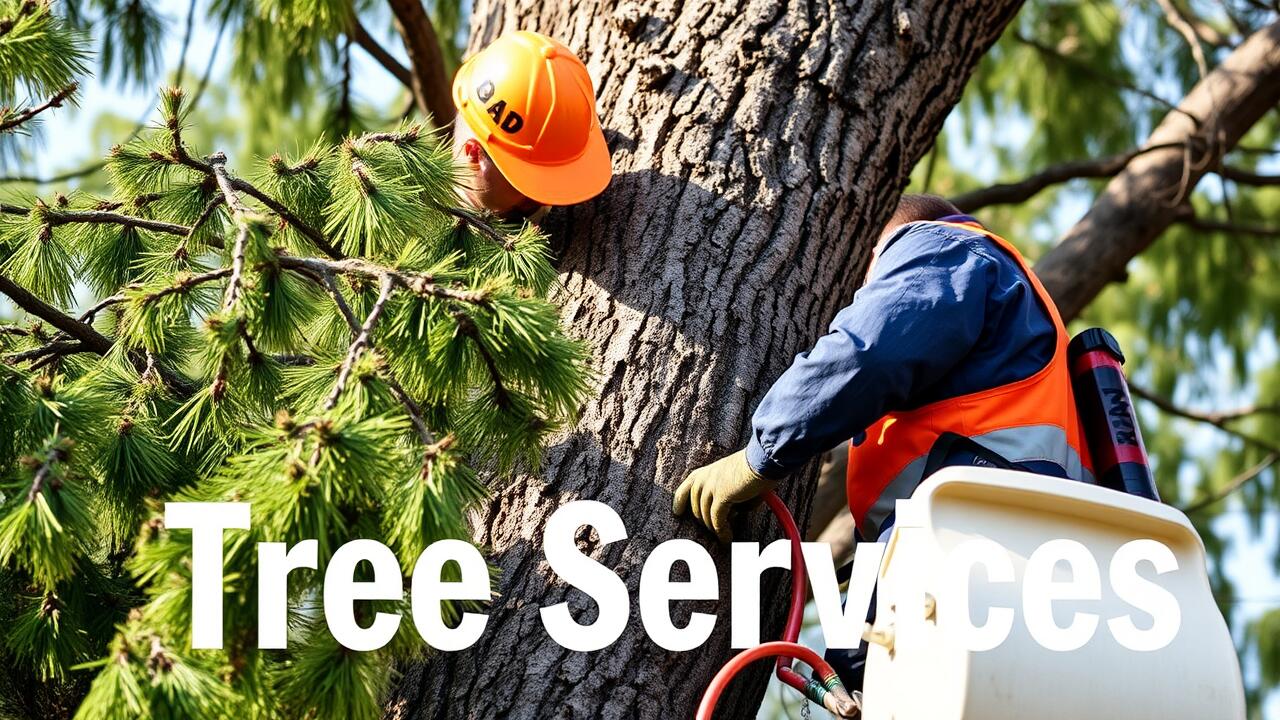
{"x":1235,"y":484}
{"x":411,"y":406}
{"x":1219,"y":420}
{"x":385,"y":286}
{"x":92,"y":339}
{"x":467,"y":327}
{"x":57,"y":347}
{"x":98,"y":217}
{"x":418,"y":283}
{"x":218,"y":165}
{"x":475,"y":221}
{"x":56,"y":101}
{"x":57,"y":453}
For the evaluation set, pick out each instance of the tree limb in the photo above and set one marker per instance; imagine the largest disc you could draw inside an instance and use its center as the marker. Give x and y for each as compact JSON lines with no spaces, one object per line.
{"x":92,"y":339}
{"x":388,"y":61}
{"x":1140,"y":202}
{"x":431,"y":89}
{"x":1247,"y":177}
{"x":1230,"y":228}
{"x":1023,"y":190}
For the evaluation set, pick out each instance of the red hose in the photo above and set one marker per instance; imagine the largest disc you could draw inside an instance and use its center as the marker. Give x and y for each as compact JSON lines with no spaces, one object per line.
{"x":786,"y":649}
{"x":742,"y":660}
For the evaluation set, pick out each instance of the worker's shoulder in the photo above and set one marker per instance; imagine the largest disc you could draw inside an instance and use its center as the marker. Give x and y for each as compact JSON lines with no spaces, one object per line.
{"x":946,"y":244}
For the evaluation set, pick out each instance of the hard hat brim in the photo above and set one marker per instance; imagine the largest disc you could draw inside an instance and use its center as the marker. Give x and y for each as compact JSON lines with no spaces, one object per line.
{"x":568,"y":183}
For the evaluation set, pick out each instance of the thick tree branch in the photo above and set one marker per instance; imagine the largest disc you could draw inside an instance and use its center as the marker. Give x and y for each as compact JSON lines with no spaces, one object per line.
{"x":388,"y":61}
{"x":431,"y":89}
{"x":1139,"y":203}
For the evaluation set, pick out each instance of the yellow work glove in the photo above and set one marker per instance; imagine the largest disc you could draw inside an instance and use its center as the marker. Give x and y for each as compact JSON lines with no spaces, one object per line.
{"x":712,"y":490}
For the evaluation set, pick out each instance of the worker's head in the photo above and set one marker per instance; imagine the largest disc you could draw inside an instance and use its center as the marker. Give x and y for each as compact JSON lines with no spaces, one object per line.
{"x":527,"y":128}
{"x":918,"y":208}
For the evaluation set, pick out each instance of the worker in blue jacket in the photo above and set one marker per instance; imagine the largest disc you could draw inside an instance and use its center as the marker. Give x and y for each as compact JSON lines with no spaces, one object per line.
{"x":951,"y":335}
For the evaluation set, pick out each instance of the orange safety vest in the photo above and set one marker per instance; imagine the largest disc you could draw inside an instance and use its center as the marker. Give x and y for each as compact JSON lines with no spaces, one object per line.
{"x":1033,"y":419}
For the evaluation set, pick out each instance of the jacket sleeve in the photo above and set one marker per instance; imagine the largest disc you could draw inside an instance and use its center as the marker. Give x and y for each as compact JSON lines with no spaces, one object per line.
{"x":920,"y":313}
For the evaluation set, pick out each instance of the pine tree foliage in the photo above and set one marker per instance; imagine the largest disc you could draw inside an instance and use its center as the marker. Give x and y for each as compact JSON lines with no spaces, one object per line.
{"x":332,"y":340}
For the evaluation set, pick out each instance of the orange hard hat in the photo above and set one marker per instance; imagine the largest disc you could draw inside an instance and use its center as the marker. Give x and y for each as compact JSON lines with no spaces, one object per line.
{"x":529,"y":101}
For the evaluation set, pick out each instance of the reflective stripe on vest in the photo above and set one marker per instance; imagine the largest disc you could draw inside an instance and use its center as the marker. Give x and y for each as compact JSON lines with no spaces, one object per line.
{"x":1033,"y":419}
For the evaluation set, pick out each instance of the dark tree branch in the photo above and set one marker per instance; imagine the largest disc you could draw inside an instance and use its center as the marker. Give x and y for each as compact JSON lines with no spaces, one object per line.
{"x":56,"y":101}
{"x":1247,"y":177}
{"x":1023,"y":190}
{"x":1140,"y":202}
{"x":98,"y":217}
{"x":92,"y":339}
{"x":431,"y":89}
{"x":1230,"y":228}
{"x":388,"y":61}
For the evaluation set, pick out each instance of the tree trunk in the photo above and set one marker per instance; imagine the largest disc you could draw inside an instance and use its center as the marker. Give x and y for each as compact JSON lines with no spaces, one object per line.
{"x":1151,"y":193}
{"x":757,"y":150}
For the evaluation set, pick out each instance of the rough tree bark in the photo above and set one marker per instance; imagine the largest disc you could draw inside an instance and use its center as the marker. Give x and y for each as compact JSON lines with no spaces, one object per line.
{"x":757,"y":149}
{"x":1151,"y":192}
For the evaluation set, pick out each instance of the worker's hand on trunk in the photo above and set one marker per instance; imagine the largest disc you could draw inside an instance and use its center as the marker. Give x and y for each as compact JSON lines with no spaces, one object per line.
{"x":712,"y":491}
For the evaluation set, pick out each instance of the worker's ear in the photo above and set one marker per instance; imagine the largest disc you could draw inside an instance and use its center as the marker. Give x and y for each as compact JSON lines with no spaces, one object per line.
{"x":471,"y":148}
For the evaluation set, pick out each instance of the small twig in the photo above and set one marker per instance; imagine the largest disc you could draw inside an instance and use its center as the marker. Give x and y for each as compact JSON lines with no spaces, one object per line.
{"x":386,"y":284}
{"x":56,"y":454}
{"x":411,"y":406}
{"x":467,"y":327}
{"x":418,"y":283}
{"x":476,"y":222}
{"x":1235,"y":484}
{"x":53,"y":102}
{"x":1219,"y":420}
{"x":1180,"y":23}
{"x":57,"y":347}
{"x":99,"y":217}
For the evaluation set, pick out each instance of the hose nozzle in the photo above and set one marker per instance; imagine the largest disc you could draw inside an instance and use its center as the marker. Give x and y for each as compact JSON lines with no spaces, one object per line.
{"x":839,"y":701}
